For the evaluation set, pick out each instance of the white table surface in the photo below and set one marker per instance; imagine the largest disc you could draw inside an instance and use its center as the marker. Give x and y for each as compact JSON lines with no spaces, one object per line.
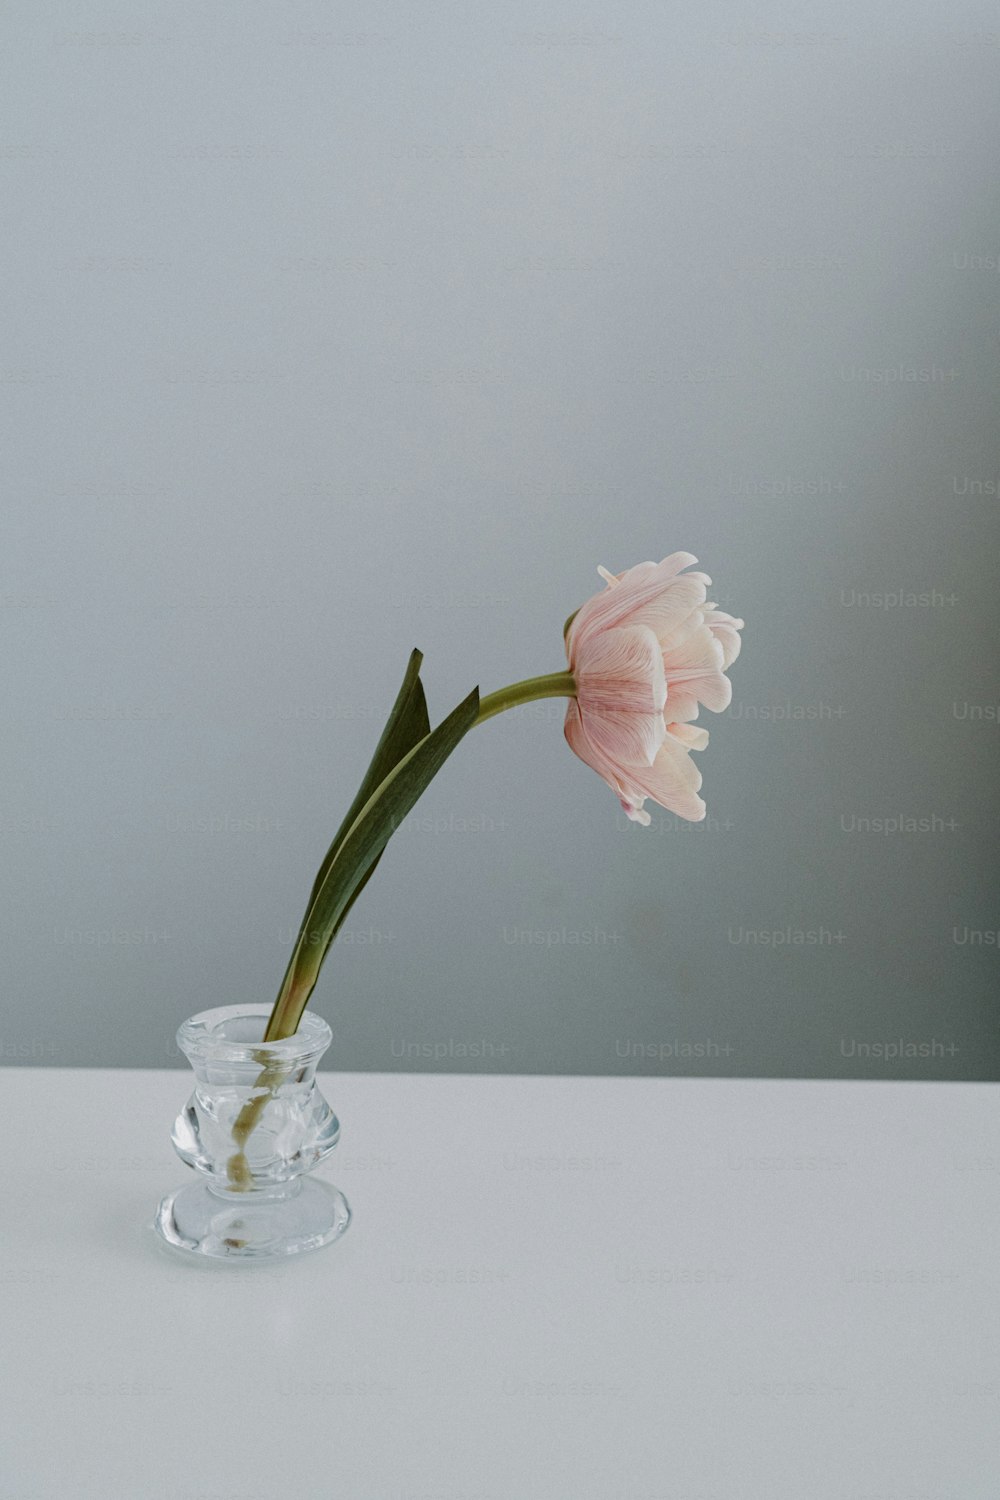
{"x":551,"y":1289}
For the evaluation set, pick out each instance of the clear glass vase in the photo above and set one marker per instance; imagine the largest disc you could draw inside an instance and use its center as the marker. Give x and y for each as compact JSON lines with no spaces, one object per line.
{"x":254,"y":1126}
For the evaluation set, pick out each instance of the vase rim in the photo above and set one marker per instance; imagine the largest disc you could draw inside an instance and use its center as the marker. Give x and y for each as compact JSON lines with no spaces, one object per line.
{"x":203,"y":1036}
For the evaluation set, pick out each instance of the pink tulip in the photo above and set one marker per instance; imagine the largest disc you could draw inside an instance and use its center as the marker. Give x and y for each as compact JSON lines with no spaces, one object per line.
{"x":644,"y":654}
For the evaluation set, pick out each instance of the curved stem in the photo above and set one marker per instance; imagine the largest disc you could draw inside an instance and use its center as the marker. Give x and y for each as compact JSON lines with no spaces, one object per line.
{"x":237,"y":1167}
{"x":553,"y":685}
{"x":288,"y":1008}
{"x":297,"y":985}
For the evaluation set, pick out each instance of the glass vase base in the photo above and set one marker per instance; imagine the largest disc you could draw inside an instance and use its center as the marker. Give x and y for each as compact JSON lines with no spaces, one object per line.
{"x":235,"y":1227}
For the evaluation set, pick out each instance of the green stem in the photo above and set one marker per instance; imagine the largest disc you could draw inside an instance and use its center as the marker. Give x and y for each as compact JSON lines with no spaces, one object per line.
{"x":554,"y":685}
{"x":291,"y":1002}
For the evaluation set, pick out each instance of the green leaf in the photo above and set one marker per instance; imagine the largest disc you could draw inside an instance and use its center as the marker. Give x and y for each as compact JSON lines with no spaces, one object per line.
{"x":405,"y":727}
{"x":570,"y":621}
{"x":356,"y":857}
{"x":408,"y":723}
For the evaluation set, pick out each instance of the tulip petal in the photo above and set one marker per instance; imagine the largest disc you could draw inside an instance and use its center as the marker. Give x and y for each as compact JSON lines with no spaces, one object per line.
{"x":675,"y":562}
{"x":695,"y":670}
{"x":672,"y":606}
{"x":635,"y":589}
{"x":625,"y":738}
{"x":673,"y":781}
{"x":694,"y":739}
{"x":636,"y":812}
{"x":699,"y":651}
{"x":680,"y":709}
{"x":672,"y":640}
{"x":726,"y":629}
{"x":622,"y":690}
{"x":576,"y":736}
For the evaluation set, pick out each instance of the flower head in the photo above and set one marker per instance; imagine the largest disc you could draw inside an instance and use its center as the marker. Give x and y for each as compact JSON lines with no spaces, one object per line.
{"x":644,"y":655}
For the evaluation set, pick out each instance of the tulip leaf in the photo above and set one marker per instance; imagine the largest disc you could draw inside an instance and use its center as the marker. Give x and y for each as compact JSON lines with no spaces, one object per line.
{"x":406,"y":726}
{"x":356,"y":856}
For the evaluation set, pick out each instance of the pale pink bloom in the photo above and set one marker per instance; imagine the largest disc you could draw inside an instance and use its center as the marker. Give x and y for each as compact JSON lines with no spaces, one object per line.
{"x":644,"y":654}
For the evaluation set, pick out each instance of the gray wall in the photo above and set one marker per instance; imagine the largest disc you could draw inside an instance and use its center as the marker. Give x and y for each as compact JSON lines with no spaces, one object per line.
{"x":335,"y":331}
